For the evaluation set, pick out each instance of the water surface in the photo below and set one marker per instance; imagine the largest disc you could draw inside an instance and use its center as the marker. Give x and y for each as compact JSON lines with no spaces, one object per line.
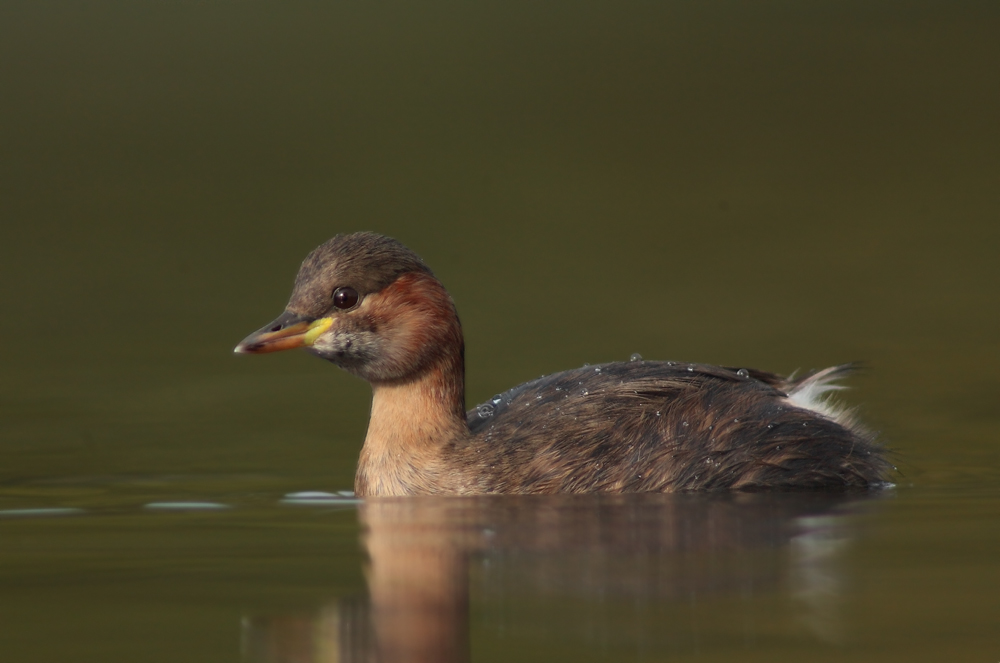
{"x":775,"y":185}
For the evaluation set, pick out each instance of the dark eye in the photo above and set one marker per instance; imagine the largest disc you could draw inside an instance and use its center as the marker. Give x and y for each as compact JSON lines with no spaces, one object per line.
{"x":345,"y":298}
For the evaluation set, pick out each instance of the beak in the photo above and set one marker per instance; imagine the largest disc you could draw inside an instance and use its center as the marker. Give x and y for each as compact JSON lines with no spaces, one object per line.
{"x":289,"y":330}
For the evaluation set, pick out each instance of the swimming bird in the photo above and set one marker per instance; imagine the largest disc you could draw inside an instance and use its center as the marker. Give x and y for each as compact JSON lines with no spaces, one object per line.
{"x":371,"y":306}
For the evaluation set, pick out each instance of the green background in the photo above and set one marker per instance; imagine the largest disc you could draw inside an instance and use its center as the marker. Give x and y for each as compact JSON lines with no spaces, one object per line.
{"x":777,"y":185}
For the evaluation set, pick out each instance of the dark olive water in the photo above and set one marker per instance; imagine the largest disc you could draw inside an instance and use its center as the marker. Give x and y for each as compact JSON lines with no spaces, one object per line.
{"x":777,"y":185}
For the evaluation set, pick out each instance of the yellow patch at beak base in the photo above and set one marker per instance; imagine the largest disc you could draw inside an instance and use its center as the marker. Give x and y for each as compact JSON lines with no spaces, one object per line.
{"x":316,"y":329}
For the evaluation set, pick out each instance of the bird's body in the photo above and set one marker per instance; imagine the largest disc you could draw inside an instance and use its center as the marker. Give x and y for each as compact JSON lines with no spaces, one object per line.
{"x":370,"y":305}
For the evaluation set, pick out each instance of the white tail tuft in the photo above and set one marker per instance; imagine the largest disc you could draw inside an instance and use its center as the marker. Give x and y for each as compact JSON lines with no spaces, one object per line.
{"x":810,"y":392}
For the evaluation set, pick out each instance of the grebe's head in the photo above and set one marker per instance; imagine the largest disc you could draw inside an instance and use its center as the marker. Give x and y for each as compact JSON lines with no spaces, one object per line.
{"x":368,"y":304}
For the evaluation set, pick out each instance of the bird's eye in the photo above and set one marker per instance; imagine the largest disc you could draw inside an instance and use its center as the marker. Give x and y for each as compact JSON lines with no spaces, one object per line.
{"x":345,"y":297}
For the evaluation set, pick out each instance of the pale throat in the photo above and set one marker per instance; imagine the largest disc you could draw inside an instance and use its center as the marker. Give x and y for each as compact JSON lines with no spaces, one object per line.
{"x":418,"y":416}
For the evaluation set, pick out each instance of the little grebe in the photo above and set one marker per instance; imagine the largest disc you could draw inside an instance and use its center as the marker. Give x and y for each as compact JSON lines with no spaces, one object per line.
{"x":368,"y":304}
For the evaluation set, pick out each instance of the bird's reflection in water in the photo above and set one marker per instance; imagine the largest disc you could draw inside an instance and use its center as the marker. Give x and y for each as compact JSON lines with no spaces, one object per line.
{"x":640,"y":550}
